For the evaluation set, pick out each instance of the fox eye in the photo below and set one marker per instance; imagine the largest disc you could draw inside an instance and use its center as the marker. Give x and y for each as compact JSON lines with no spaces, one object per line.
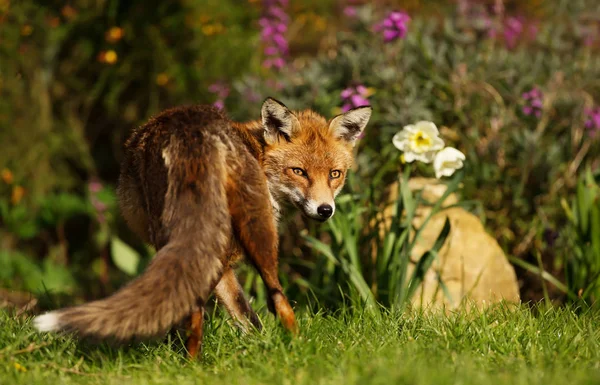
{"x":299,"y":171}
{"x":334,"y":174}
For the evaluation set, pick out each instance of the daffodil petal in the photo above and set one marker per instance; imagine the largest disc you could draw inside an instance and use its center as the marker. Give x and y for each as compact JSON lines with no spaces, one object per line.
{"x":438,"y":144}
{"x":447,"y":161}
{"x":409,"y":157}
{"x":428,"y":127}
{"x":400,"y":141}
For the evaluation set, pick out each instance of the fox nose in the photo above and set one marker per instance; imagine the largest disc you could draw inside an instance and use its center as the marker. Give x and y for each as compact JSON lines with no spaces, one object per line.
{"x":325,"y":211}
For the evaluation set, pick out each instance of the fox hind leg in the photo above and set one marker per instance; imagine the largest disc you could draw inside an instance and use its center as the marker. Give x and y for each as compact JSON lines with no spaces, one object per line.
{"x":194,"y":341}
{"x":229,"y":292}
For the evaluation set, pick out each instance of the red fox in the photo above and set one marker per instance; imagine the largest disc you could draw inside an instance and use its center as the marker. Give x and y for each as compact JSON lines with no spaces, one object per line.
{"x":206,"y":191}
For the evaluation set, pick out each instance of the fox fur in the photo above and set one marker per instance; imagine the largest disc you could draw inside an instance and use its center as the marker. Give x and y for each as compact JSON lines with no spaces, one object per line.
{"x":206,"y":191}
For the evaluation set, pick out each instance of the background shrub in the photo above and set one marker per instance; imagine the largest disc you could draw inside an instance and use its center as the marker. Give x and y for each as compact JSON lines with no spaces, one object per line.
{"x":514,"y":85}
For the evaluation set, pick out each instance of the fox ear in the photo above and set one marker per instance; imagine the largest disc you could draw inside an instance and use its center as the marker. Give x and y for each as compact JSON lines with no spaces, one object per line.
{"x":278,"y":121}
{"x":349,"y":125}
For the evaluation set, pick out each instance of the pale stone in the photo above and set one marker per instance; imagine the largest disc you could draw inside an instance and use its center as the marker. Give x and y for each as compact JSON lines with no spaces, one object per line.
{"x":471,"y":263}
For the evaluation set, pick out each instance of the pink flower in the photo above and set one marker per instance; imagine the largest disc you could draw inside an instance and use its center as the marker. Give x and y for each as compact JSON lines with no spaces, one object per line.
{"x":353,"y":97}
{"x":274,"y":24}
{"x":394,"y":26}
{"x":222,"y":91}
{"x":593,"y":121}
{"x":350,"y":11}
{"x":514,"y":31}
{"x":94,"y":186}
{"x":513,"y":27}
{"x":533,"y":102}
{"x":99,"y":207}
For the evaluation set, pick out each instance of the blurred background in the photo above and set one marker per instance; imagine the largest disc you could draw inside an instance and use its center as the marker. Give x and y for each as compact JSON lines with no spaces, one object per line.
{"x":513,"y":84}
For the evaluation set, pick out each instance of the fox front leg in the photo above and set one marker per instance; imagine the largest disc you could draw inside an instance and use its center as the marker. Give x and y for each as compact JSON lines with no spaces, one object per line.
{"x":256,"y":231}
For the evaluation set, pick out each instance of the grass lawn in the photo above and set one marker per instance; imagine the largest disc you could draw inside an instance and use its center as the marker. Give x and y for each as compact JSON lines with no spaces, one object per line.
{"x":499,"y":346}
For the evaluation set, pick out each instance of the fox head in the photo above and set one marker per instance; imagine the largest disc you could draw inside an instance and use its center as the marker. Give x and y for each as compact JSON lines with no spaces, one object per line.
{"x":307,"y":157}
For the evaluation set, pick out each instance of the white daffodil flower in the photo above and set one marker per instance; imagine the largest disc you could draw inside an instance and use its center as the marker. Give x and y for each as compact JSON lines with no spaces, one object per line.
{"x":419,"y":141}
{"x":447,"y":161}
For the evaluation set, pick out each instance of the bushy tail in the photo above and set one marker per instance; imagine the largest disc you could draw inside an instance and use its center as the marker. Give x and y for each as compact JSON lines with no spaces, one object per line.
{"x":181,"y":275}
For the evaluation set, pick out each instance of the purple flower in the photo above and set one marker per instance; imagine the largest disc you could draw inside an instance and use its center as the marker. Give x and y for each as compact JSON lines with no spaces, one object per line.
{"x":277,"y":13}
{"x":222,"y":91}
{"x":220,"y":104}
{"x":394,"y":26}
{"x":100,"y":207}
{"x":271,"y":51}
{"x":94,"y":186}
{"x":592,"y":122}
{"x":534,"y":101}
{"x":280,"y":43}
{"x":274,"y":62}
{"x":251,"y":95}
{"x":350,"y":11}
{"x":513,"y":27}
{"x":481,"y":16}
{"x":274,"y":84}
{"x":590,"y":35}
{"x":274,"y":24}
{"x":515,"y":31}
{"x":464,"y":6}
{"x":353,"y":97}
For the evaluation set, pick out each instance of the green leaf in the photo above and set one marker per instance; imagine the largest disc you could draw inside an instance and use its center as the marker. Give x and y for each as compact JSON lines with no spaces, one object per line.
{"x":595,"y":229}
{"x":582,"y":206}
{"x":56,"y":208}
{"x":543,"y":274}
{"x":452,"y":186}
{"x":427,"y":259}
{"x":125,"y":257}
{"x":322,"y":248}
{"x":359,"y":283}
{"x":56,"y":278}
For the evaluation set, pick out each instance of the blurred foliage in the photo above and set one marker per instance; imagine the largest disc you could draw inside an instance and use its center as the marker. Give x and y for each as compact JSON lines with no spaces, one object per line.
{"x":76,"y":76}
{"x":583,"y":233}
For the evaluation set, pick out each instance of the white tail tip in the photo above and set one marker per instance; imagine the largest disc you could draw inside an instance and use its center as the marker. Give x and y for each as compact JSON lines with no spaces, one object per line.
{"x":47,"y":322}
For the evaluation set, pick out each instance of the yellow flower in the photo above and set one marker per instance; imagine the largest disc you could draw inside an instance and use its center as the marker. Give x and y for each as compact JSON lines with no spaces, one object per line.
{"x":17,"y":194}
{"x":110,"y":57}
{"x":370,"y":91}
{"x":212,"y":29}
{"x":26,"y":30}
{"x":7,"y":176}
{"x":54,"y":22}
{"x":4,"y":5}
{"x":68,"y":12}
{"x":114,"y":34}
{"x":19,"y":367}
{"x":320,"y":23}
{"x":162,"y":79}
{"x":419,"y":141}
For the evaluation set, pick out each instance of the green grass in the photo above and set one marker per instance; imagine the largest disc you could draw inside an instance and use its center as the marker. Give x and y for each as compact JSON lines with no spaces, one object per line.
{"x":499,"y":346}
